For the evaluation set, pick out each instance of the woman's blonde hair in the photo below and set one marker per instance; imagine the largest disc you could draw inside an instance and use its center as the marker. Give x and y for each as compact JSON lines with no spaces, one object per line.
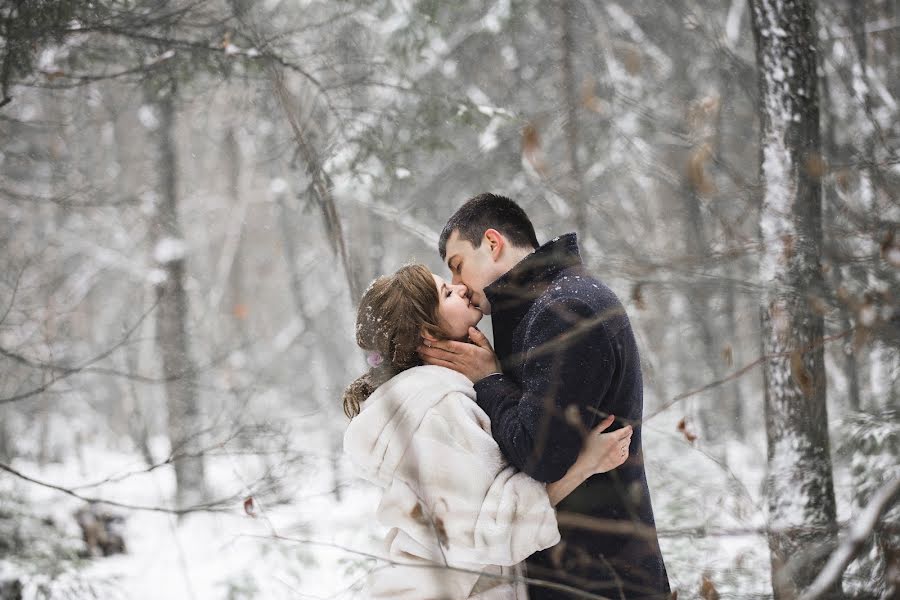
{"x":392,"y":314}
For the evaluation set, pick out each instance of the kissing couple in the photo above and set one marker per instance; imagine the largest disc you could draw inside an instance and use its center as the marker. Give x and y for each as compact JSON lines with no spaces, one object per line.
{"x":512,"y":471}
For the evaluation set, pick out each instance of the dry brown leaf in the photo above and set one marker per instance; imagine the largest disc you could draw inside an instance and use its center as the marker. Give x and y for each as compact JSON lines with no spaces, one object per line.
{"x":787,"y":244}
{"x":842,"y":178}
{"x":728,"y":354}
{"x":696,"y":170}
{"x":708,"y":589}
{"x":801,"y":375}
{"x":682,"y":427}
{"x":416,"y":513}
{"x":531,"y":149}
{"x":589,"y":97}
{"x":441,"y":532}
{"x":890,"y":249}
{"x":816,"y":166}
{"x":637,"y":296}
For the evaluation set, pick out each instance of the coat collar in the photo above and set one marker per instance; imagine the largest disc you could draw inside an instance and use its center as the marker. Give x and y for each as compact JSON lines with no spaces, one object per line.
{"x":514,"y":292}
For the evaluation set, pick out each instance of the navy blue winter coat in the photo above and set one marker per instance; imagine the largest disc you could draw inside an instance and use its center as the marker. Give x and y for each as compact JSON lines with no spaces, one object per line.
{"x":569,"y":358}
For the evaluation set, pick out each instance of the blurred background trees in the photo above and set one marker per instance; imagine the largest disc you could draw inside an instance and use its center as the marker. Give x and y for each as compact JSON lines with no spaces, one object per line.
{"x":194,"y":193}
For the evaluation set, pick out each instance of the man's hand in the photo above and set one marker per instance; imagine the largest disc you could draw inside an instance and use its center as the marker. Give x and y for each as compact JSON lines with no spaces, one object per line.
{"x":476,"y":360}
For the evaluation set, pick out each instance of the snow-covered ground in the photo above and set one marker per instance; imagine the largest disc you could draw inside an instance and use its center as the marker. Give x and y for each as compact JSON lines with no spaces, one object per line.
{"x":311,"y":547}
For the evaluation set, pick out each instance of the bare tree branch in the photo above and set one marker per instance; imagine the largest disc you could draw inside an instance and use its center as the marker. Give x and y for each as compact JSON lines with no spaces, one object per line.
{"x":855,"y":541}
{"x":68,"y":372}
{"x":386,"y":562}
{"x":221,"y":505}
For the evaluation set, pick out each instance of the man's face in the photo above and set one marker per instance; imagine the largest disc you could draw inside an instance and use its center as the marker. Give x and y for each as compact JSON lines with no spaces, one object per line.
{"x":476,"y":268}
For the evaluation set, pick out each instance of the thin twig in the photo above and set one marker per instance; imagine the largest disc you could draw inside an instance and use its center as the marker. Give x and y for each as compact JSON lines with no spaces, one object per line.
{"x":220,"y":505}
{"x":71,"y":371}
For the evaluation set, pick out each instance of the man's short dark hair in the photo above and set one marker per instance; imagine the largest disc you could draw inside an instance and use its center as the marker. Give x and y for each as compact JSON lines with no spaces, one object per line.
{"x":489,"y":211}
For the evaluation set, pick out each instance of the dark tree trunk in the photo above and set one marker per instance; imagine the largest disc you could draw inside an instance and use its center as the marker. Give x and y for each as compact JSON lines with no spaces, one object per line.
{"x":800,"y":487}
{"x":172,"y":318}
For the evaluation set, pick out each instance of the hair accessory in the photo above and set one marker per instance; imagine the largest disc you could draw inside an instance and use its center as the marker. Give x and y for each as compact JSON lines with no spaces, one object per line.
{"x":374,"y":359}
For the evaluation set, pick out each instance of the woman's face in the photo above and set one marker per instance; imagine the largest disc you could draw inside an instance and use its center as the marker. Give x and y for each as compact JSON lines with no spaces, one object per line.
{"x":456,"y":311}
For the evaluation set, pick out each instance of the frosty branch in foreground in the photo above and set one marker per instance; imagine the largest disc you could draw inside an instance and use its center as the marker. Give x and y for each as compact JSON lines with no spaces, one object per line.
{"x":855,"y":541}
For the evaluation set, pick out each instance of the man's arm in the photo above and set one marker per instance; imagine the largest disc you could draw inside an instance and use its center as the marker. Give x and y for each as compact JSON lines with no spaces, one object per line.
{"x":567,"y":369}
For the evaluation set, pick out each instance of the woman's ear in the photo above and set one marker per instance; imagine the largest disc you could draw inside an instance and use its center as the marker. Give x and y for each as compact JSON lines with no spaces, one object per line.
{"x":427,"y":336}
{"x":495,"y":242}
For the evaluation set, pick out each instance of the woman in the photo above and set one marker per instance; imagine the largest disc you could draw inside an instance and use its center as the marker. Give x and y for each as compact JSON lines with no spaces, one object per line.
{"x":461,"y":517}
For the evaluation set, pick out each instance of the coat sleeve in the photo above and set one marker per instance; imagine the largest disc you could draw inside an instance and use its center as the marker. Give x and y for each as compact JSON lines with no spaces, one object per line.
{"x":567,"y":370}
{"x":455,"y":495}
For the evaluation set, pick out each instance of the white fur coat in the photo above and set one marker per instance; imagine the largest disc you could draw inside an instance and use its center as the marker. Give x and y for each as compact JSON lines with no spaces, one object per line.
{"x":449,"y":497}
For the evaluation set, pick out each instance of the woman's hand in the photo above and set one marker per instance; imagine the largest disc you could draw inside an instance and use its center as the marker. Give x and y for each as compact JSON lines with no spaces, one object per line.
{"x":604,"y":452}
{"x":601,"y":452}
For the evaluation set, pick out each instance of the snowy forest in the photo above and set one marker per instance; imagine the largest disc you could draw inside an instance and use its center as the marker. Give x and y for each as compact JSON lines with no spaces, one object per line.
{"x":195,"y":194}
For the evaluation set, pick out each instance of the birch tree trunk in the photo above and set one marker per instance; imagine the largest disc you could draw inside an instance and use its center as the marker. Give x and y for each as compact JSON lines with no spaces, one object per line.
{"x":178,"y":367}
{"x":801,"y":499}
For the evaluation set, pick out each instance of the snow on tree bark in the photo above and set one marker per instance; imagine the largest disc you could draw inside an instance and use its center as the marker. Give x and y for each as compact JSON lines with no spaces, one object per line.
{"x":178,"y":367}
{"x":801,"y":499}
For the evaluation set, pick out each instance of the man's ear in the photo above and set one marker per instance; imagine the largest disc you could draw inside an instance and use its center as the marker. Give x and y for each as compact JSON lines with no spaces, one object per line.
{"x":496,"y":242}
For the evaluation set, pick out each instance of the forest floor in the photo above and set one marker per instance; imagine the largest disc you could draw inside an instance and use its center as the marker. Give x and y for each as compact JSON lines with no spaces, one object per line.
{"x":309,"y":546}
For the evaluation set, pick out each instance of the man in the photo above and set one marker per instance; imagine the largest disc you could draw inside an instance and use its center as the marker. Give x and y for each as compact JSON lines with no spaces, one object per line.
{"x":565,"y":358}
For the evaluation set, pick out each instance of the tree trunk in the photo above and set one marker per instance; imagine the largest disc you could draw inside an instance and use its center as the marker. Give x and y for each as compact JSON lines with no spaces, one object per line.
{"x":800,"y":487}
{"x":236,"y":299}
{"x":728,"y":345}
{"x":575,"y":188}
{"x":178,"y":367}
{"x":699,"y":302}
{"x":733,"y":390}
{"x":831,"y":247}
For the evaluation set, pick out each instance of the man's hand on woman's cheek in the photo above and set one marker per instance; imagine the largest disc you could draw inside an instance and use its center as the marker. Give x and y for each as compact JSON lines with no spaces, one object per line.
{"x":476,"y":361}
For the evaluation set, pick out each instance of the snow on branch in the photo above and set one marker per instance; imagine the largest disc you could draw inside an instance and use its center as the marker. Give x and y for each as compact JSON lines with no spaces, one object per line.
{"x":855,"y":541}
{"x":169,"y":250}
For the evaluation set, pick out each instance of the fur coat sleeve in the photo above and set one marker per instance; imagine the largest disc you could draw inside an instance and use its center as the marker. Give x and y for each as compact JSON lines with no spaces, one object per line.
{"x":449,"y":497}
